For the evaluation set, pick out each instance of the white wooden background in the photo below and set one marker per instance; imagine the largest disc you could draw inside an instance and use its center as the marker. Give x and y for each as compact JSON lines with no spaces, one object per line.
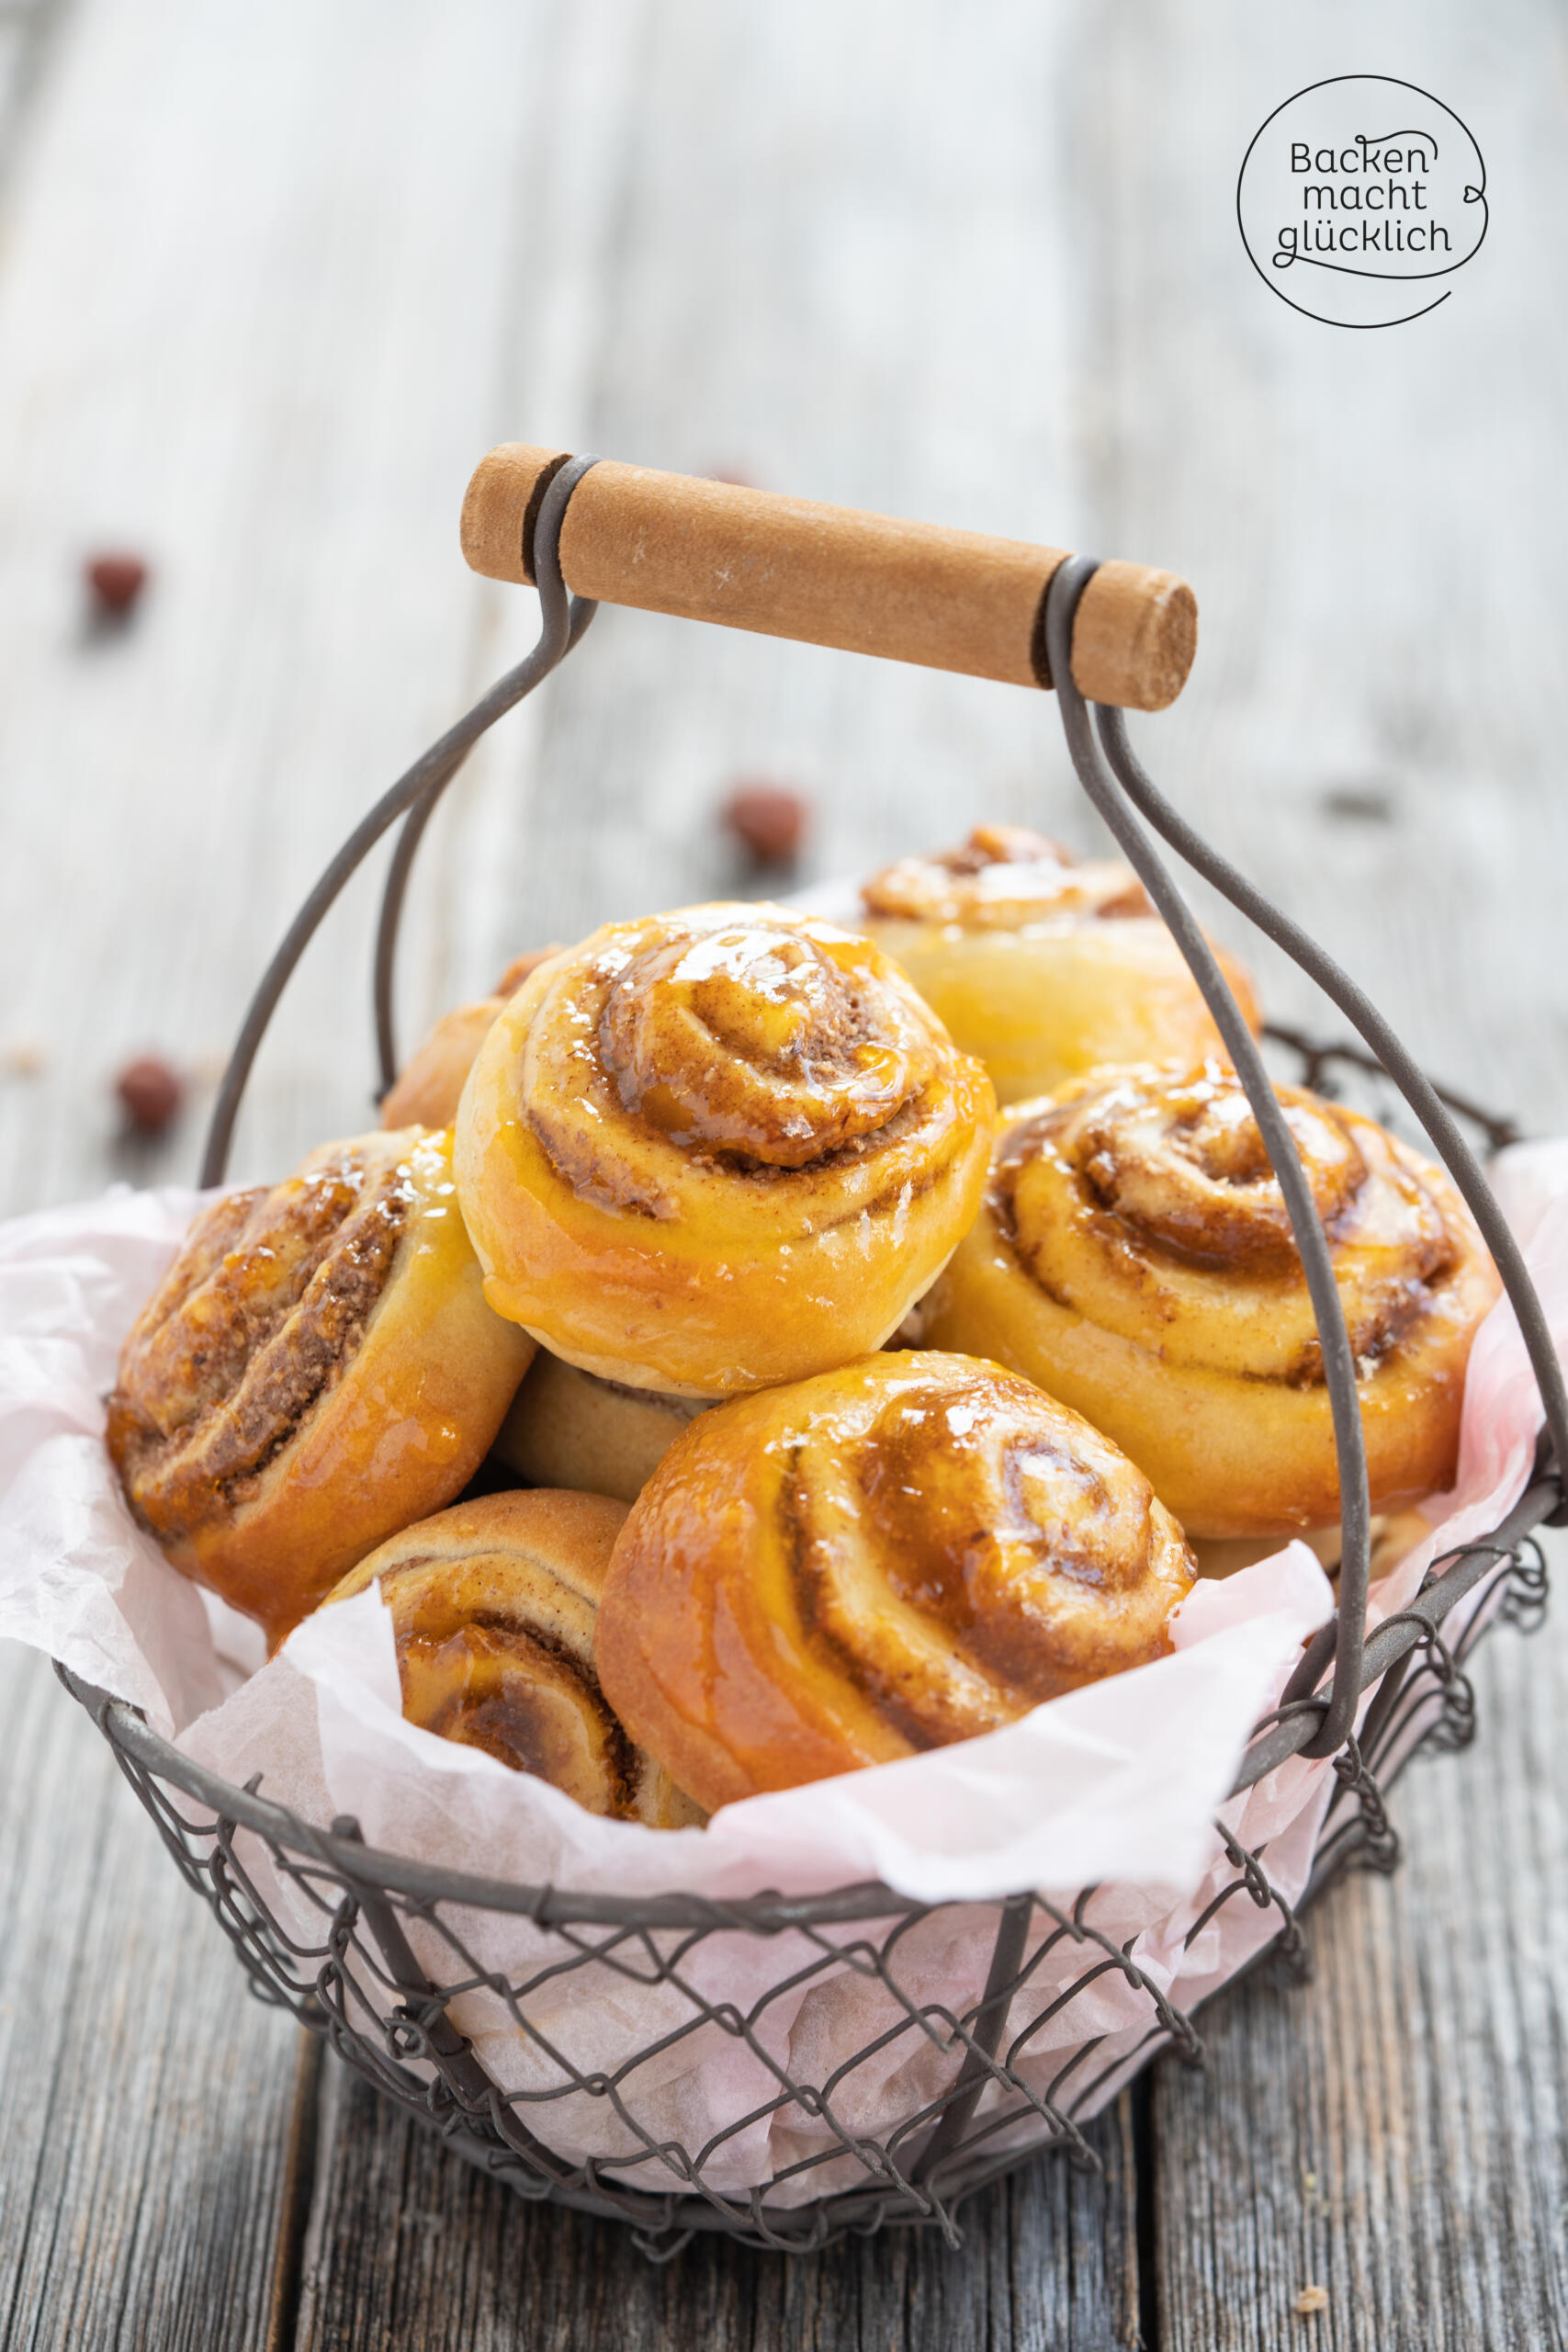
{"x":270,"y":280}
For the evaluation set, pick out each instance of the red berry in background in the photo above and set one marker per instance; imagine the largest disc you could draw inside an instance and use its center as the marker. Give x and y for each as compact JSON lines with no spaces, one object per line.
{"x":768,"y":821}
{"x":115,"y":583}
{"x":150,"y":1094}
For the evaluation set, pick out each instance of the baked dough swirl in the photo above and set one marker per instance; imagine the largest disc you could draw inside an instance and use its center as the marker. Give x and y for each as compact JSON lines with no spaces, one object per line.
{"x":1042,"y":966}
{"x":317,"y":1368}
{"x":717,"y":1150}
{"x":906,"y":1552}
{"x":493,"y":1605}
{"x":1134,"y":1257}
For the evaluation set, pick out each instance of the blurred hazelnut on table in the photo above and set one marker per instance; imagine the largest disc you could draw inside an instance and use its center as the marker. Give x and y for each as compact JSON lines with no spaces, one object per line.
{"x":114,"y":582}
{"x":768,"y":821}
{"x":150,"y":1094}
{"x":22,"y":1058}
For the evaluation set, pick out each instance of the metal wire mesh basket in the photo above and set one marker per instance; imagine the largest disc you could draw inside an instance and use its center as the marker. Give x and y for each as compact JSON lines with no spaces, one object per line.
{"x":394,"y":1961}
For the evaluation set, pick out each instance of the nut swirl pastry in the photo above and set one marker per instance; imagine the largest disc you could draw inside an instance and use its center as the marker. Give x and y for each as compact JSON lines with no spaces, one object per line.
{"x":1135,"y":1256}
{"x":1042,"y":966}
{"x":717,"y":1150}
{"x":903,"y":1552}
{"x":493,"y":1605}
{"x":317,"y":1368}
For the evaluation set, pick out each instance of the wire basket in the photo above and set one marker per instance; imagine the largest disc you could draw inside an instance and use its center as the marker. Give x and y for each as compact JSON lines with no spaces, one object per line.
{"x":391,"y":1959}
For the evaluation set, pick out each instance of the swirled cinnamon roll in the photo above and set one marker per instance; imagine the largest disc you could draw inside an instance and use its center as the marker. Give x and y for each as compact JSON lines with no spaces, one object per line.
{"x":1135,"y":1257}
{"x":430,"y":1085}
{"x":493,"y":1605}
{"x":717,"y":1150}
{"x":906,"y":1552}
{"x":317,"y":1368}
{"x":1041,"y":967}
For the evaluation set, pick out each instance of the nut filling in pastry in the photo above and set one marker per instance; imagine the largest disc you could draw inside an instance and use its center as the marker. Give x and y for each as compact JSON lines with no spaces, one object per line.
{"x":1042,"y":966}
{"x":493,"y":1605}
{"x":261,"y":1310}
{"x":717,"y":1150}
{"x":907,"y":1552}
{"x":1135,"y":1256}
{"x":318,"y":1367}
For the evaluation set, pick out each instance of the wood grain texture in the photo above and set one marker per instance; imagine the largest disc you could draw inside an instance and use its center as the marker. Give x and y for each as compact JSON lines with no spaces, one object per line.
{"x":1397,"y":2131}
{"x":409,"y":2246}
{"x":728,"y":553}
{"x":144,"y":2096}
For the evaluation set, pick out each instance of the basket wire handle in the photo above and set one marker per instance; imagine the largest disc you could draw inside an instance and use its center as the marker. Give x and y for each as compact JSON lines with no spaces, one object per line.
{"x":1393,"y":1056}
{"x":580,"y":611}
{"x":1344,"y":1638}
{"x":1339,"y":1362}
{"x":562,"y":624}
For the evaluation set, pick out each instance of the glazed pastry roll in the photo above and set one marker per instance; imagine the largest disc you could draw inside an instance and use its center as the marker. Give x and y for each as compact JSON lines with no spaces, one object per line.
{"x":717,"y":1150}
{"x":1134,"y":1257}
{"x":493,"y":1605}
{"x":1040,"y":965}
{"x":428,"y":1088}
{"x":317,"y":1368}
{"x":903,"y":1552}
{"x":566,"y":1428}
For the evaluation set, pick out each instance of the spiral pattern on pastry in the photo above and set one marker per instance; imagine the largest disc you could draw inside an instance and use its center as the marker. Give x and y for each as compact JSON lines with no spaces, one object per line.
{"x":1042,"y":966}
{"x":493,"y":1606}
{"x":717,"y":1150}
{"x":906,"y":1552}
{"x":1135,"y":1256}
{"x":318,"y":1367}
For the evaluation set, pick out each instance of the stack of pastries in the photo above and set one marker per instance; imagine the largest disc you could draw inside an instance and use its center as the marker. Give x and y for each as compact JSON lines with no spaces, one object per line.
{"x":723,"y":1393}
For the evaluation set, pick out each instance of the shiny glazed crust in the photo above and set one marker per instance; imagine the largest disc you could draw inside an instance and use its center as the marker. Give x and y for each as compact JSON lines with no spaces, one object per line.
{"x":906,"y":1552}
{"x":568,"y":1428}
{"x":318,"y":1368}
{"x":717,"y":1150}
{"x":1042,"y":967}
{"x":1133,"y":1257}
{"x":493,"y":1605}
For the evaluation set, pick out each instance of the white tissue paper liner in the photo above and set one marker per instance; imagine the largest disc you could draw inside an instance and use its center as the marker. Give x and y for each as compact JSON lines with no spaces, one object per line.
{"x":1118,"y":1785}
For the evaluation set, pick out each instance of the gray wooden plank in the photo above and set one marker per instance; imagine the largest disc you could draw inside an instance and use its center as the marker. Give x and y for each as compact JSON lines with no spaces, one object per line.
{"x":1365,"y":518}
{"x":408,"y":2246}
{"x":1397,"y":2131}
{"x":1370,"y":519}
{"x":145,"y":2098}
{"x":249,"y":324}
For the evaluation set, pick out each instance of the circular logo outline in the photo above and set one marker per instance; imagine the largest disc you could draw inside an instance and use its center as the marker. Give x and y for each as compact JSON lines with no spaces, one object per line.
{"x":1367,"y":327}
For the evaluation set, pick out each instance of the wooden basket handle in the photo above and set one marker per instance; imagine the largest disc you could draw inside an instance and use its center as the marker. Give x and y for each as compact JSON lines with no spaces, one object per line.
{"x":830,"y":575}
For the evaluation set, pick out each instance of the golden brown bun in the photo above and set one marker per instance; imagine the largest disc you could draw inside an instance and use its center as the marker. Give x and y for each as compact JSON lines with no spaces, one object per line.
{"x":493,"y":1604}
{"x":1042,"y":966}
{"x":906,"y":1552}
{"x":717,"y":1150}
{"x":568,"y":1428}
{"x":429,"y":1086}
{"x":317,"y":1368}
{"x":1135,"y":1258}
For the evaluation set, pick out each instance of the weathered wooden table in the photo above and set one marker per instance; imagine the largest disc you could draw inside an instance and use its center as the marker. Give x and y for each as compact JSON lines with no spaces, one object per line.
{"x":270,"y":280}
